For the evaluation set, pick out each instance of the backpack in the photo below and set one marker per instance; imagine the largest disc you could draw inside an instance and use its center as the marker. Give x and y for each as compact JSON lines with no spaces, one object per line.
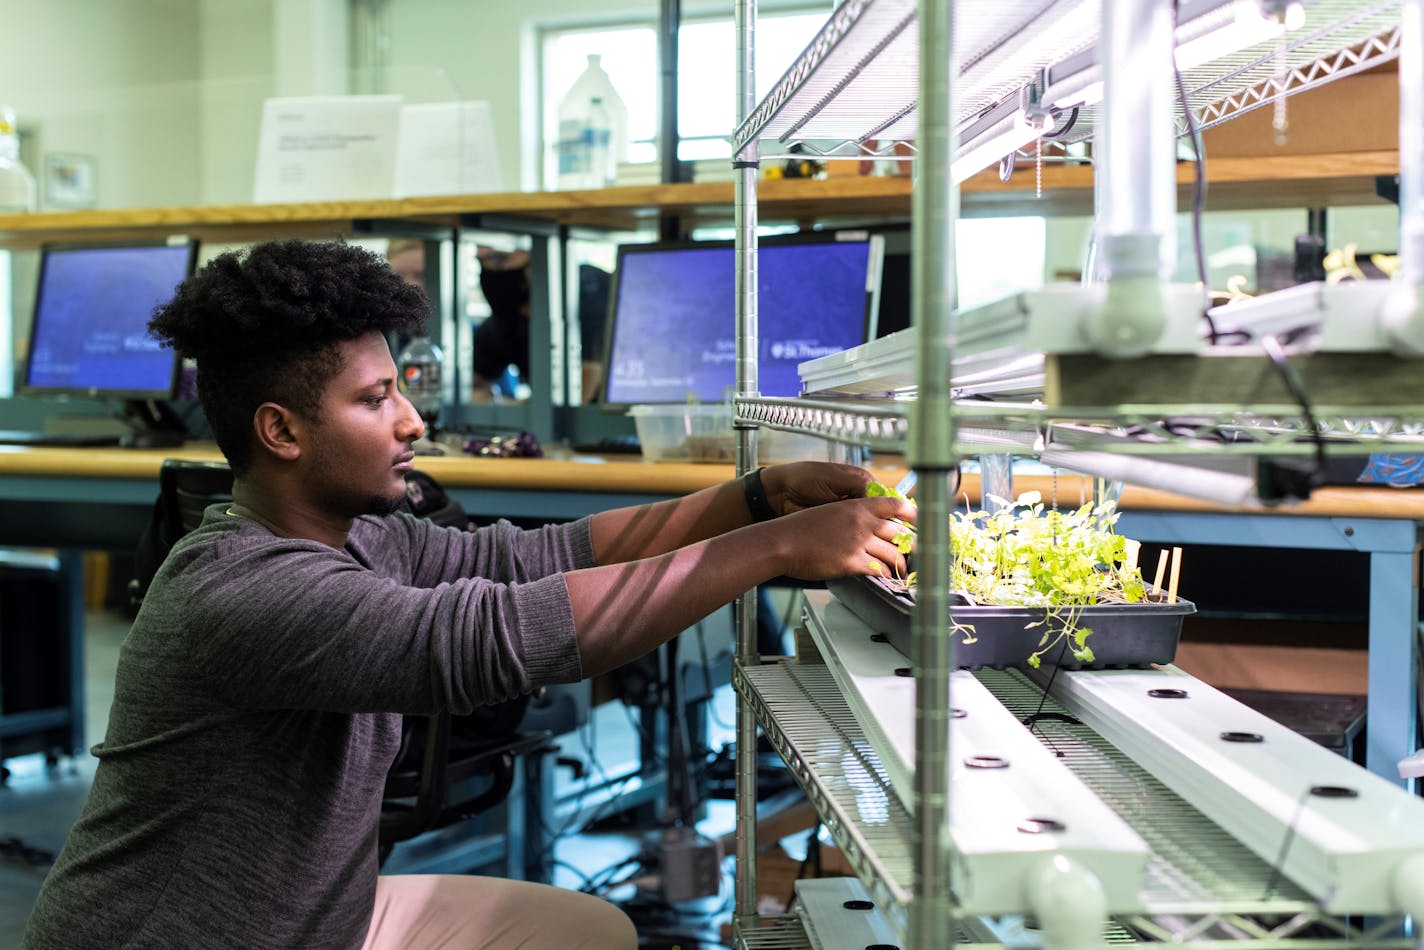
{"x":427,"y":498}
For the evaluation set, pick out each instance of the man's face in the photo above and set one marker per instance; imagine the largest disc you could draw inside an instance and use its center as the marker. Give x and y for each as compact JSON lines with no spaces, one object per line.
{"x":359,"y":449}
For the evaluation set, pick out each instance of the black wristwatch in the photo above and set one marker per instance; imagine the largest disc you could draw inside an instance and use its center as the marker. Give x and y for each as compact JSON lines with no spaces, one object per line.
{"x":755,"y":493}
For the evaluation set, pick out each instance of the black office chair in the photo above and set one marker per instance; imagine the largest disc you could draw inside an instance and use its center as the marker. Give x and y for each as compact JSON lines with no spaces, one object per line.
{"x":185,"y":489}
{"x":442,"y":775}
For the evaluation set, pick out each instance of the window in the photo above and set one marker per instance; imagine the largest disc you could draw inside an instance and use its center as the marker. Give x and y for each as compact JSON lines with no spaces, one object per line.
{"x":706,"y":80}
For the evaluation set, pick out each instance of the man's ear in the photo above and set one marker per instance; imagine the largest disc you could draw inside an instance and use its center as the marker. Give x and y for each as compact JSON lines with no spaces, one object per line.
{"x":278,"y":431}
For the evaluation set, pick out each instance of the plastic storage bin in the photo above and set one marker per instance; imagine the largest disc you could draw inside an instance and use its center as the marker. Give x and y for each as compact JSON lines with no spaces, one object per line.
{"x":692,"y":432}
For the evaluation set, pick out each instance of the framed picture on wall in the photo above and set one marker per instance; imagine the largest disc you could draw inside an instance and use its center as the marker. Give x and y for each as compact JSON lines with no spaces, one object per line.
{"x":69,"y":180}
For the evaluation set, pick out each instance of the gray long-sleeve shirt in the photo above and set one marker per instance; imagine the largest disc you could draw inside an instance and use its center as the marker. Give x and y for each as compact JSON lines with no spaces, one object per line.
{"x":256,"y":714}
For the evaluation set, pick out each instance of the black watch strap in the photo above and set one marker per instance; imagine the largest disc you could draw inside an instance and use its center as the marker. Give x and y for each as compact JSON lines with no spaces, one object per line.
{"x":755,"y":493}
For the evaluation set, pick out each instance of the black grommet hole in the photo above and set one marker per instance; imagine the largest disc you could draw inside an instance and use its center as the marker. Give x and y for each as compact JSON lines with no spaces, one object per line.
{"x":879,"y":638}
{"x":1167,"y":693}
{"x":1334,"y":791}
{"x":986,"y":762}
{"x":1038,"y":826}
{"x":858,"y":905}
{"x":904,"y":671}
{"x":881,"y":946}
{"x":956,"y":713}
{"x":1242,"y":737}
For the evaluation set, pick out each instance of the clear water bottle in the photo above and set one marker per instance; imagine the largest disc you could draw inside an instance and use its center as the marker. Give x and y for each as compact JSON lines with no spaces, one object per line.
{"x":420,"y":363}
{"x":593,"y":130}
{"x":17,"y":185}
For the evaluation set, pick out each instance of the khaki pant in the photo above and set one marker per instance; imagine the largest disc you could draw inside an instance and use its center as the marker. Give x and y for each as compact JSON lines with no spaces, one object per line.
{"x":464,"y":912}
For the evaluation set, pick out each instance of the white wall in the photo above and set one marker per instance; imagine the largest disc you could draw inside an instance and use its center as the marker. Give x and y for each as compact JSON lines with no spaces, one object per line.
{"x":109,"y":80}
{"x":236,"y":50}
{"x":486,"y":49}
{"x":165,"y":95}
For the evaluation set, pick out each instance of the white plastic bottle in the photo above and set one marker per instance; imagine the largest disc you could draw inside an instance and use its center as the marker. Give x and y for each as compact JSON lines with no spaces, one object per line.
{"x":17,"y":185}
{"x":602,"y":169}
{"x":593,"y":130}
{"x":420,"y":362}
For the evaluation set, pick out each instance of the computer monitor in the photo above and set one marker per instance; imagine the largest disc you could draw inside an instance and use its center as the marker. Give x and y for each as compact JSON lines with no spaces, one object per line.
{"x":90,"y":332}
{"x":671,"y":333}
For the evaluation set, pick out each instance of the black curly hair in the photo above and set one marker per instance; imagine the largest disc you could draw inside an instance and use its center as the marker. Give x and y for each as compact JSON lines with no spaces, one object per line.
{"x":263,"y":327}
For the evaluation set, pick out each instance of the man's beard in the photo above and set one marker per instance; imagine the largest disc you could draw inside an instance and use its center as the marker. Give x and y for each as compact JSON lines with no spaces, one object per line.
{"x":382,"y":505}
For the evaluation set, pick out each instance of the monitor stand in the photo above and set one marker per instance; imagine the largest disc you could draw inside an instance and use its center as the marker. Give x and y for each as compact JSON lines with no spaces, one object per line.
{"x":152,"y":424}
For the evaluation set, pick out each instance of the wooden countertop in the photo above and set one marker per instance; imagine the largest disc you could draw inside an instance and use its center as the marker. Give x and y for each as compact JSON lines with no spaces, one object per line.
{"x":1262,"y":181}
{"x":613,"y":475}
{"x":626,"y":474}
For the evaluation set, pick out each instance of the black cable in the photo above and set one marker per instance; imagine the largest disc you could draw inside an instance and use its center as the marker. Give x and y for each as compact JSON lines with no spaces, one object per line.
{"x":587,"y":880}
{"x":1198,"y":187}
{"x":1278,"y":869}
{"x":813,"y":853}
{"x":601,"y":881}
{"x":1067,"y":126}
{"x":599,"y":812}
{"x":1296,"y":385}
{"x":649,"y":739}
{"x":679,"y":772}
{"x":707,"y":680}
{"x":1033,"y":720}
{"x":553,"y":836}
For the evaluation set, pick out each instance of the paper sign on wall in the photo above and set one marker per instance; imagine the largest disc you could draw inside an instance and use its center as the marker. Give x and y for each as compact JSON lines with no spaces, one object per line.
{"x":447,"y":148}
{"x":327,"y":148}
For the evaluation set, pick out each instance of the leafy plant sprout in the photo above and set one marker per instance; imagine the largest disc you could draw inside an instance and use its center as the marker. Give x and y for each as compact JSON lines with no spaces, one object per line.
{"x":1026,"y":554}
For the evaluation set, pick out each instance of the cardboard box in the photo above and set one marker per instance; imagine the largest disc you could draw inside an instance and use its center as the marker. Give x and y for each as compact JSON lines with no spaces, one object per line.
{"x":1354,"y":114}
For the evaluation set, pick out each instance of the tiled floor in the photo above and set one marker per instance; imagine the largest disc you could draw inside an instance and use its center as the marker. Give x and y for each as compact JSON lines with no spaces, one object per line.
{"x":39,"y":804}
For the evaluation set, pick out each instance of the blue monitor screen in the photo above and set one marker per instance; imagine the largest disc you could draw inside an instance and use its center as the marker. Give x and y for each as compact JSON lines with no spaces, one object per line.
{"x":672,"y":333}
{"x":90,"y":334}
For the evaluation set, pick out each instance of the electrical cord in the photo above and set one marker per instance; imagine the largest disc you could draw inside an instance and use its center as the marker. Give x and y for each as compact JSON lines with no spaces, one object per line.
{"x":1067,"y":127}
{"x":707,"y":681}
{"x":578,"y":872}
{"x":577,"y":818}
{"x":1296,"y":385}
{"x":1198,"y":186}
{"x":813,"y":857}
{"x":649,"y":739}
{"x":602,"y":881}
{"x":1271,"y":345}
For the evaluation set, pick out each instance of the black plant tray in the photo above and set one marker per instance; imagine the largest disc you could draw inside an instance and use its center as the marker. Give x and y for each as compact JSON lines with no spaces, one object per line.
{"x":1124,"y":635}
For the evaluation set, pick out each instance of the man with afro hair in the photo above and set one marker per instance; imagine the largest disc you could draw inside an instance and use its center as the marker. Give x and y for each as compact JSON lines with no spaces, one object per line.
{"x":259,"y":692}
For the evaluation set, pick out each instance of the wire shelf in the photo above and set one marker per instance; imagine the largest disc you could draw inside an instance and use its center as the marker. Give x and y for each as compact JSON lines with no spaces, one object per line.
{"x":1201,"y":880}
{"x":786,"y":932}
{"x":1354,"y":37}
{"x":1028,"y":428}
{"x":808,"y":721}
{"x":1202,"y":885}
{"x":854,"y":88}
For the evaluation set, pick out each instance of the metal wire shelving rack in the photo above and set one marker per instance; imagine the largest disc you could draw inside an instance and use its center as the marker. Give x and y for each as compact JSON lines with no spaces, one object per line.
{"x":874,"y":80}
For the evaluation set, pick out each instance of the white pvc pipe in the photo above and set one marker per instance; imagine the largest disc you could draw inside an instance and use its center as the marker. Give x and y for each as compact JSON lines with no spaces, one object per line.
{"x":1409,"y":887}
{"x":1229,"y":489}
{"x":1136,"y":176}
{"x":1068,"y":900}
{"x":1136,"y":159}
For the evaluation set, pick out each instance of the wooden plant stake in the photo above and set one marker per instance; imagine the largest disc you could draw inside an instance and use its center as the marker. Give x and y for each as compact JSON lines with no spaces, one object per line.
{"x":1161,"y":570}
{"x":1176,"y":571}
